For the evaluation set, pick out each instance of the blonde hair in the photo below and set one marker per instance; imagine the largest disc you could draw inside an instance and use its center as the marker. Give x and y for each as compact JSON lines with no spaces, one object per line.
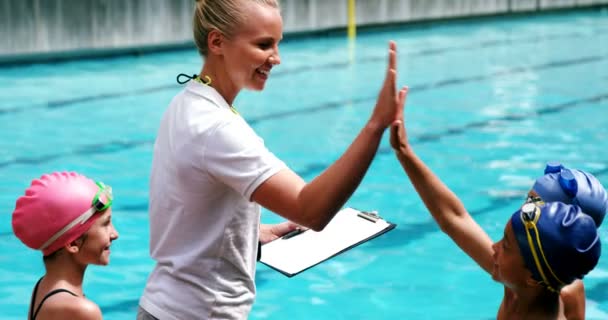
{"x":223,"y":15}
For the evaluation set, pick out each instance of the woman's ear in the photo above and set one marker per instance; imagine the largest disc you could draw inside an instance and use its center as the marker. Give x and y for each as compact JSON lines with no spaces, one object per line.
{"x":215,"y":39}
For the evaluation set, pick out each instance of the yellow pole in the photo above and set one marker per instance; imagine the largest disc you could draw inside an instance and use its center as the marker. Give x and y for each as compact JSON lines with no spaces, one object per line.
{"x":352,"y":29}
{"x":352,"y":25}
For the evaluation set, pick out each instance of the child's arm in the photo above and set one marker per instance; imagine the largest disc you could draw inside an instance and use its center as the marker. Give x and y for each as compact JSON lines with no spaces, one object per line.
{"x":446,"y":208}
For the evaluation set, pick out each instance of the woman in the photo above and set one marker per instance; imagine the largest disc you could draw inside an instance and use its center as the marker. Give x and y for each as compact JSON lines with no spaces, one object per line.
{"x":545,"y":247}
{"x":211,"y":172}
{"x":68,"y":217}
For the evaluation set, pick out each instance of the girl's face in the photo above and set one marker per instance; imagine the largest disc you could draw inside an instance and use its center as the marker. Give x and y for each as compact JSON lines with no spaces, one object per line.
{"x":95,"y":246}
{"x":254,"y":49}
{"x":509,"y":266}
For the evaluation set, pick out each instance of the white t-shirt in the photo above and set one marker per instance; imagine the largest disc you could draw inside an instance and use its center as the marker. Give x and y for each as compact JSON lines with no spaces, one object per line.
{"x":203,"y":228}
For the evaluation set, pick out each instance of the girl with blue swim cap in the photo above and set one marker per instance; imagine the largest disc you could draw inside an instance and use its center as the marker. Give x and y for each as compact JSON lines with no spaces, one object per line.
{"x":572,"y":186}
{"x":546,"y":245}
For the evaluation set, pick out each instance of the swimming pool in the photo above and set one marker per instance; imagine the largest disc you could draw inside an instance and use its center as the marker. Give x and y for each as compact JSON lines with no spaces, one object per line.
{"x":490,"y":102}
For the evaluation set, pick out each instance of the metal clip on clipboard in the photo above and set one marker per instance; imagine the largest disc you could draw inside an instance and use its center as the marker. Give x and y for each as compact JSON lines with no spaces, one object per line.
{"x":371,"y":216}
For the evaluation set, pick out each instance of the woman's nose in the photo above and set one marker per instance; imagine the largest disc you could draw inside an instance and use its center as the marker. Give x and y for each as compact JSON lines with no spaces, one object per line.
{"x":274,"y":59}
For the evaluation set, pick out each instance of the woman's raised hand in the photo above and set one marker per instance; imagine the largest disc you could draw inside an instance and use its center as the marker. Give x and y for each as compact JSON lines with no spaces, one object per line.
{"x":387,"y":107}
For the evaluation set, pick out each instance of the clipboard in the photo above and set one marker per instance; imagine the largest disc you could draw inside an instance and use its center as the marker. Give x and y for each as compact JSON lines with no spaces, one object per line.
{"x":300,"y":250}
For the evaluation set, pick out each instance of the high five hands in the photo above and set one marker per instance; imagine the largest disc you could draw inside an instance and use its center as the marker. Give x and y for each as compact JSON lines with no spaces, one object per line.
{"x":389,"y":106}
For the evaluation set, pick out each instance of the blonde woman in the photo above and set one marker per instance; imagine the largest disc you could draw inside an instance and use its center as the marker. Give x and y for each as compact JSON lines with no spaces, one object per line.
{"x":211,"y":172}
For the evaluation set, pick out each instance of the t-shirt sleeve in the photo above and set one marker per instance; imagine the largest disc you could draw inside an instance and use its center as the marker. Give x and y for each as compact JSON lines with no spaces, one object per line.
{"x":237,"y":156}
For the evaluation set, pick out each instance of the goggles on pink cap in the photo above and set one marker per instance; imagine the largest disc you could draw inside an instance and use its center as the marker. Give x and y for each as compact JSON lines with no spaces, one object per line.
{"x":102,"y":200}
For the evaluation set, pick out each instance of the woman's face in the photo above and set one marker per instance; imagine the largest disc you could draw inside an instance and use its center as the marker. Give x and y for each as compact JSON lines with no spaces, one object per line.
{"x":254,"y":49}
{"x":95,"y":246}
{"x":509,"y":266}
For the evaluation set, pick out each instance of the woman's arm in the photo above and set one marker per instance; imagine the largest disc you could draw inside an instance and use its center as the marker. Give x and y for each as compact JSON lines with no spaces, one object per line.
{"x":314,"y":204}
{"x":447,"y":210}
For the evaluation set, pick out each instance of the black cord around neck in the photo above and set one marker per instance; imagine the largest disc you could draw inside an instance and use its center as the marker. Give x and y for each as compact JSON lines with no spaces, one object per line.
{"x":188,"y":78}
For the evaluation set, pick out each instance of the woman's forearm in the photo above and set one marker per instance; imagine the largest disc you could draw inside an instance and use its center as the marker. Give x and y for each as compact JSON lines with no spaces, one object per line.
{"x":326,"y":194}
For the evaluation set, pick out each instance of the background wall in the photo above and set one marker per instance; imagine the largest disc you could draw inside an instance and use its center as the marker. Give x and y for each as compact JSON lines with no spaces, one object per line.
{"x":33,"y":30}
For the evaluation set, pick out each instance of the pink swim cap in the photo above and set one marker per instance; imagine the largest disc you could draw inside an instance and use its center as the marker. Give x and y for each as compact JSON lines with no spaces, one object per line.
{"x":49,"y":205}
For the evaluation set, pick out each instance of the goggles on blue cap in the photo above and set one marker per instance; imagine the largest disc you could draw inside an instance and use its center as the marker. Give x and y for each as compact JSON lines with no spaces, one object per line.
{"x":529,"y":215}
{"x":534,"y":199}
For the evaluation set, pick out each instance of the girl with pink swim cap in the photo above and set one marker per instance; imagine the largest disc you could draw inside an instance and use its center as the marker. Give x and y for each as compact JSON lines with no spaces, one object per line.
{"x":67,"y":216}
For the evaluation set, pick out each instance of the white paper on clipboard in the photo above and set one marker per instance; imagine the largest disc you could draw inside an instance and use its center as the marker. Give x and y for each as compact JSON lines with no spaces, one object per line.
{"x":348,"y":228}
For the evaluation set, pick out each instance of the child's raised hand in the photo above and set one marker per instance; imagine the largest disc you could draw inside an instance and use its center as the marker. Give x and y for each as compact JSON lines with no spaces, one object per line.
{"x":398,"y":134}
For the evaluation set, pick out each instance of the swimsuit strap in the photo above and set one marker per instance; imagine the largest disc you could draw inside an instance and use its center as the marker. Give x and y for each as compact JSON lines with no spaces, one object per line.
{"x":31,"y":317}
{"x":48,"y":295}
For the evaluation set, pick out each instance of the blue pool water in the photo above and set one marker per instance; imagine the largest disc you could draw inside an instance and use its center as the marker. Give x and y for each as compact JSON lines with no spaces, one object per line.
{"x":490,"y":102}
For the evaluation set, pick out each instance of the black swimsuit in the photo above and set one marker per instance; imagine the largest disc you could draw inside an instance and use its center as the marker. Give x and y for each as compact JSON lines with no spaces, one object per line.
{"x":34,"y":314}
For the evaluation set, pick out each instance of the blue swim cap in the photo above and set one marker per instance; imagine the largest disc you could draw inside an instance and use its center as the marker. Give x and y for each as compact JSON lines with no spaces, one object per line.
{"x":572,"y":186}
{"x":559,"y":243}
